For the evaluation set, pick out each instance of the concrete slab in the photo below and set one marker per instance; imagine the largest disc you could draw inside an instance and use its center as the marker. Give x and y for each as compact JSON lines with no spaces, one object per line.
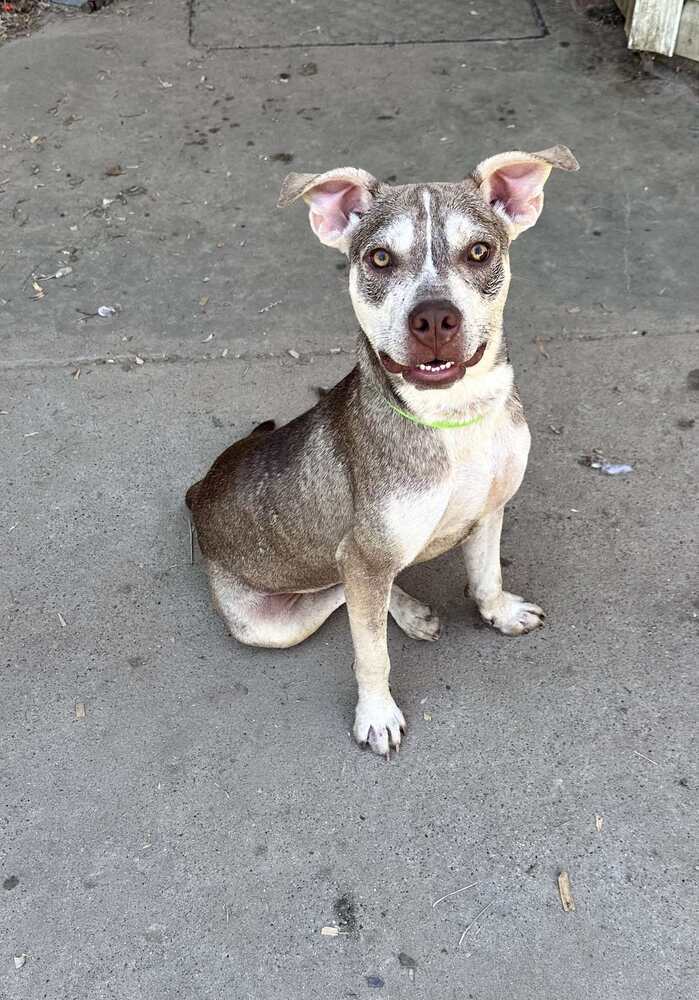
{"x":196,"y":830}
{"x":604,"y":258}
{"x":191,"y":835}
{"x":309,"y":24}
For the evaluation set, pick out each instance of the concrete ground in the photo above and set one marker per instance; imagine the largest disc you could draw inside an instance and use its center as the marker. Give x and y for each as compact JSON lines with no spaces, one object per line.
{"x":192,"y":834}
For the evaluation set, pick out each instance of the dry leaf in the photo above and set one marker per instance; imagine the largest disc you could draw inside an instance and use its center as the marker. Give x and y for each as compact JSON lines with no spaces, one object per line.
{"x":80,"y":712}
{"x":565,"y":892}
{"x":203,"y":300}
{"x":427,"y":717}
{"x":294,"y":354}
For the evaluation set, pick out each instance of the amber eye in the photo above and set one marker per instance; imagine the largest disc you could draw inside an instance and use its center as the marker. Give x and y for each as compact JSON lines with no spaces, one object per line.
{"x":381,"y":258}
{"x":478,"y":252}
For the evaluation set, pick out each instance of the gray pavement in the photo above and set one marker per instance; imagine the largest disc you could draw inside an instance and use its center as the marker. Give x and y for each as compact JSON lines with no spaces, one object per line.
{"x":195,"y":831}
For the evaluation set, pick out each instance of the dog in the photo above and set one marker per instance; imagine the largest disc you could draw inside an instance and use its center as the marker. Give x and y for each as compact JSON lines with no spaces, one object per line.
{"x":416,"y":451}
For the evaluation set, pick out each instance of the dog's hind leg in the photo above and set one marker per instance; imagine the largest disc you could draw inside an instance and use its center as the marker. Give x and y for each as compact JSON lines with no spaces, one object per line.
{"x":275,"y":621}
{"x":414,"y":618}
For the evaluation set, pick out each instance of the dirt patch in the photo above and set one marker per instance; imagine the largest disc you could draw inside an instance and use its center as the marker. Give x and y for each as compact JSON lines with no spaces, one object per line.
{"x":19,"y":17}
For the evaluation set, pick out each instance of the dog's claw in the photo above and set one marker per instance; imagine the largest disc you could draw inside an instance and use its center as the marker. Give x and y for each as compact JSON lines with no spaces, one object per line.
{"x":378,"y":724}
{"x":512,"y":615}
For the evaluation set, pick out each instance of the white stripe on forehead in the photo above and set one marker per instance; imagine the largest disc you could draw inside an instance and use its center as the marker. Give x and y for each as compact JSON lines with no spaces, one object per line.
{"x":429,"y":267}
{"x":398,"y":235}
{"x":460,"y":229}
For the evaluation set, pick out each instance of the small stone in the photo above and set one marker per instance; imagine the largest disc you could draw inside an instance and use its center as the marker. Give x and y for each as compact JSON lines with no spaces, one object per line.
{"x":375,"y":982}
{"x":406,"y":961}
{"x":294,"y":354}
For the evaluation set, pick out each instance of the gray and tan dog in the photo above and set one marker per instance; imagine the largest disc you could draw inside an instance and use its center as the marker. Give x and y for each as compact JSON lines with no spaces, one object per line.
{"x":417,"y":450}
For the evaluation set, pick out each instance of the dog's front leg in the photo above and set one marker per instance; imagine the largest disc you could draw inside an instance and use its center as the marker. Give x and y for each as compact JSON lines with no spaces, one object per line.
{"x":368,"y":577}
{"x":509,"y":613}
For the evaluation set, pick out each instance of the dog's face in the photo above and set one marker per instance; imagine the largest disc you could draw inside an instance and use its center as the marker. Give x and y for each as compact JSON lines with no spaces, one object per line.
{"x":429,"y":268}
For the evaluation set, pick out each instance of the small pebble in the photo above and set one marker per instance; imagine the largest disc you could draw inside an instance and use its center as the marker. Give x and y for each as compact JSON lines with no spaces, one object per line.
{"x":376,"y":982}
{"x":406,"y":961}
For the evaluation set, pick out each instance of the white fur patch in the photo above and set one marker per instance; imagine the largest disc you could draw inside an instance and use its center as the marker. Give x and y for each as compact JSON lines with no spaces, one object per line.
{"x":459,"y":230}
{"x":412,"y":519}
{"x":398,"y":236}
{"x":429,"y":268}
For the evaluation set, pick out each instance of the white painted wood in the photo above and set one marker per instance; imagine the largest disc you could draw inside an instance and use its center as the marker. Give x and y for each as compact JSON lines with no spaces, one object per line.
{"x":687,"y":44}
{"x":654,"y":25}
{"x":625,"y":6}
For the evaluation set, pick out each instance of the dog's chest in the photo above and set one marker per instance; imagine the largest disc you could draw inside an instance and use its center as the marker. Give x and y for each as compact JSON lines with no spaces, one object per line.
{"x":483,"y":474}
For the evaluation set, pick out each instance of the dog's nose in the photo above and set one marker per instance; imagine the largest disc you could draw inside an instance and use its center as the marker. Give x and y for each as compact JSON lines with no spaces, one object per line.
{"x":434,"y":322}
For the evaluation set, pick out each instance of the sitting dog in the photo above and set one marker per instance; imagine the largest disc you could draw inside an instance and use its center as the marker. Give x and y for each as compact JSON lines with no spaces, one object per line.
{"x":417,"y":450}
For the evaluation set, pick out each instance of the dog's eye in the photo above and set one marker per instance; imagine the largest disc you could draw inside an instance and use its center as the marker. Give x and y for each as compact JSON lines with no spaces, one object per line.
{"x":380,"y":258}
{"x":478,"y":252}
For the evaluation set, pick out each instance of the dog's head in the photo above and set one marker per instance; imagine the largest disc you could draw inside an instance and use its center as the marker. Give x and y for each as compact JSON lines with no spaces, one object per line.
{"x":429,"y":268}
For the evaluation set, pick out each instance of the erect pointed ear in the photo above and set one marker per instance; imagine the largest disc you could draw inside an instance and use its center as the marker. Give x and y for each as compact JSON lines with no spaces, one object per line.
{"x":336,"y":199}
{"x":513,"y":184}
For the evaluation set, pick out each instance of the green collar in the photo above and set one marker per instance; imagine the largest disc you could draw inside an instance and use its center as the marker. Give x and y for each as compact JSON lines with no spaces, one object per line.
{"x":437,"y":424}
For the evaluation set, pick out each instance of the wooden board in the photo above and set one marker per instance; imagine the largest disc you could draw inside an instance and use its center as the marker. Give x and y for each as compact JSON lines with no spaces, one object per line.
{"x":687,"y":43}
{"x":653,"y":25}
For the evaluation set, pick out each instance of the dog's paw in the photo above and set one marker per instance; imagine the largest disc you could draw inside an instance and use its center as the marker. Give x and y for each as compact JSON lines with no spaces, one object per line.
{"x":512,"y":615}
{"x":415,"y":619}
{"x":379,"y":724}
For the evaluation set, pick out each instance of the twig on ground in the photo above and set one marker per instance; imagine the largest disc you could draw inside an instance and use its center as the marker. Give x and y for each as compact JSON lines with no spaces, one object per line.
{"x":454,"y":893}
{"x":475,"y":919}
{"x":565,"y":891}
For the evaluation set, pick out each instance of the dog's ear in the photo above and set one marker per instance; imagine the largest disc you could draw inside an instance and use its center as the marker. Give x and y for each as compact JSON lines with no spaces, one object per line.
{"x":513,"y":184}
{"x":336,"y":200}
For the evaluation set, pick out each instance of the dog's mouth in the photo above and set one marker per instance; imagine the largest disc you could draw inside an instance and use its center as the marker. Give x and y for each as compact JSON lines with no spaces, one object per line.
{"x":437,"y":373}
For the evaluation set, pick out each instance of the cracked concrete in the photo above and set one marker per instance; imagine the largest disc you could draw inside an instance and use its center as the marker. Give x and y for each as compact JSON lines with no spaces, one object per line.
{"x":194,"y":832}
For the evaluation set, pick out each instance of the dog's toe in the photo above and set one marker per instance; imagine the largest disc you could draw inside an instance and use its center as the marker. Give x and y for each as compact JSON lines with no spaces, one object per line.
{"x":415,"y":619}
{"x":512,"y":615}
{"x":379,"y":724}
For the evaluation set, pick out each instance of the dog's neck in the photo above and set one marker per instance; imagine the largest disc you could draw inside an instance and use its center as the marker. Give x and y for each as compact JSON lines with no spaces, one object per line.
{"x":483,"y":389}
